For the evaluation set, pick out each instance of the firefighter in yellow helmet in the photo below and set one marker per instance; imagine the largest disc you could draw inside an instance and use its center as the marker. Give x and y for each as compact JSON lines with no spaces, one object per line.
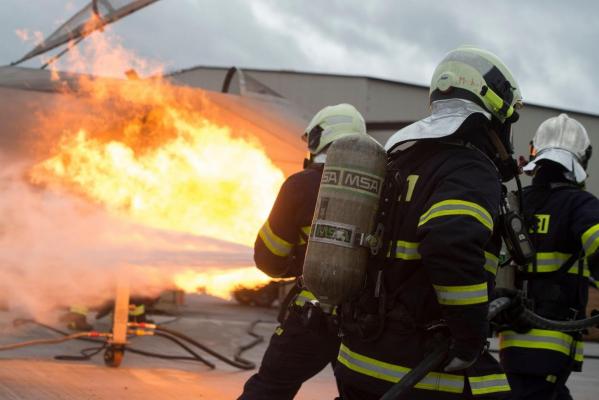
{"x":435,"y":274}
{"x":307,"y":339}
{"x":564,"y":222}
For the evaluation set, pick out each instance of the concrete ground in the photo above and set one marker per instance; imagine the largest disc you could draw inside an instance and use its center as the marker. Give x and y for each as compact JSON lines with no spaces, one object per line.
{"x":33,"y":373}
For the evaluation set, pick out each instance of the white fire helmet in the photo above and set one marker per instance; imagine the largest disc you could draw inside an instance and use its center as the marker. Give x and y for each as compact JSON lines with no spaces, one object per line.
{"x":332,"y":123}
{"x":468,"y":80}
{"x":565,"y":141}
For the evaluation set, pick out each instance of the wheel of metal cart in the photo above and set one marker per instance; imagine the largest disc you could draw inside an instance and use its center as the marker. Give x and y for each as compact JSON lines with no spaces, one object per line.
{"x":113,"y":356}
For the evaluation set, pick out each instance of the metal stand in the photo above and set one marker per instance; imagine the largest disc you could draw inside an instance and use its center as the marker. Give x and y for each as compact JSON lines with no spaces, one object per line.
{"x":113,"y":356}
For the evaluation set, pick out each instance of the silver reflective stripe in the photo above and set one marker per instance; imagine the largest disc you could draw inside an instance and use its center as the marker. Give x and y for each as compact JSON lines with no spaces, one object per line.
{"x":456,"y":207}
{"x":488,"y":384}
{"x":394,"y":373}
{"x":541,"y":339}
{"x":407,"y":251}
{"x":462,"y":295}
{"x":565,"y":343}
{"x":379,"y":371}
{"x":579,"y":354}
{"x":556,"y":261}
{"x":278,"y":246}
{"x":589,"y":242}
{"x":549,"y":261}
{"x":491,"y":263}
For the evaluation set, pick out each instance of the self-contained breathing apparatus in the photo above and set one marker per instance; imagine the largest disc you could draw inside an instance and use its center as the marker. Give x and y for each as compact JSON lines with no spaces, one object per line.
{"x":341,"y":245}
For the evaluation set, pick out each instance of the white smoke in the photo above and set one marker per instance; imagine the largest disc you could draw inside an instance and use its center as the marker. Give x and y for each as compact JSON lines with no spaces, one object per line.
{"x":57,"y":250}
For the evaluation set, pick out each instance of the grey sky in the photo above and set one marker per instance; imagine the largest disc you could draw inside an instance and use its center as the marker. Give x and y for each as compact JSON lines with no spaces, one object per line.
{"x":549,"y":45}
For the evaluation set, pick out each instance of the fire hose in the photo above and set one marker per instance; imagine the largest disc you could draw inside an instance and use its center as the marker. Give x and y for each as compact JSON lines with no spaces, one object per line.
{"x":143,"y":329}
{"x":439,"y":354}
{"x":78,"y":335}
{"x":93,"y":337}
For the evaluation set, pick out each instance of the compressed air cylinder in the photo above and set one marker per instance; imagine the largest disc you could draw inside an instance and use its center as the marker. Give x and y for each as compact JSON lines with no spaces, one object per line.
{"x":348,"y":198}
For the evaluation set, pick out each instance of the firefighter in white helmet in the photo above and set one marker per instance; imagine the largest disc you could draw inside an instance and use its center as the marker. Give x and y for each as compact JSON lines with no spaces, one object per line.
{"x":564,"y":224}
{"x":307,"y":339}
{"x":435,"y":274}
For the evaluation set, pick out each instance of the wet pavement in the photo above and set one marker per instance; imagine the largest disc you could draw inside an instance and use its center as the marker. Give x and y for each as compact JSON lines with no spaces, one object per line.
{"x":33,"y":373}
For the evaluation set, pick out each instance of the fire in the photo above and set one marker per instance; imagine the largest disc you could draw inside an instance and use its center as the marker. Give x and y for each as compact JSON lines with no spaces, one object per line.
{"x":161,"y":156}
{"x":201,"y":181}
{"x":219,"y":283}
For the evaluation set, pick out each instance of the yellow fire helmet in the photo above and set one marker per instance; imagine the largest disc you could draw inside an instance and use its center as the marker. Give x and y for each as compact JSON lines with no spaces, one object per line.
{"x":332,"y":123}
{"x":468,"y":80}
{"x":480,"y":76}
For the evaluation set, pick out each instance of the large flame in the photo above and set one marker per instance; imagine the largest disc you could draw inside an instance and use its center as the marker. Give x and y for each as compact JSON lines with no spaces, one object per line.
{"x":219,"y":283}
{"x":159,"y":155}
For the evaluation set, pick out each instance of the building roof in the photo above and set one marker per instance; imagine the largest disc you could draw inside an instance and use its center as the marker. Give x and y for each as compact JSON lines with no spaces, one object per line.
{"x":366,"y":77}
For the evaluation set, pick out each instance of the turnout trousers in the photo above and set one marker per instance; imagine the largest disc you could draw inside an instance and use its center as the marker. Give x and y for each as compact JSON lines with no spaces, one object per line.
{"x":295,"y":354}
{"x":531,"y":387}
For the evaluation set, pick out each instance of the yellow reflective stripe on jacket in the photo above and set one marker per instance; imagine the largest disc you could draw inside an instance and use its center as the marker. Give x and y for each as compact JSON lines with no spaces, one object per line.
{"x":303,"y":297}
{"x":491,"y":262}
{"x":458,"y":207}
{"x":486,"y":384}
{"x":590,"y":240}
{"x":394,"y":373}
{"x":462,"y":295}
{"x":277,"y":245}
{"x":305,"y":231}
{"x":541,"y":339}
{"x":553,"y":261}
{"x":549,"y":261}
{"x":407,"y":250}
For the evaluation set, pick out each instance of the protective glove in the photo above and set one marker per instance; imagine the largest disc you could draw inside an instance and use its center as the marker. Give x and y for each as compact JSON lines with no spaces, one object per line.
{"x":462,"y":355}
{"x":457,"y":364}
{"x":511,"y":317}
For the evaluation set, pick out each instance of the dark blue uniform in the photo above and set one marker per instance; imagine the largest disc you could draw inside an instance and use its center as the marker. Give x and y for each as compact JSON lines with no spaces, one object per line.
{"x":565,"y":230}
{"x":297,"y":351}
{"x":439,"y":271}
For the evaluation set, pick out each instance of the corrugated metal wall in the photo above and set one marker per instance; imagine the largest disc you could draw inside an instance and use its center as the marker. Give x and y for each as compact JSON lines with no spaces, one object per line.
{"x":381,"y":101}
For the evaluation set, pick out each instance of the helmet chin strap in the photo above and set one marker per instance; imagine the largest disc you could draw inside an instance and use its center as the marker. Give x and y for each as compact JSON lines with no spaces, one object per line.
{"x":501,"y":150}
{"x":507,"y":165}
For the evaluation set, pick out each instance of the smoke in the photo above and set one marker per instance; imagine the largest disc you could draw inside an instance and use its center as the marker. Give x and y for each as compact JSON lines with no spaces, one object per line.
{"x":57,"y":250}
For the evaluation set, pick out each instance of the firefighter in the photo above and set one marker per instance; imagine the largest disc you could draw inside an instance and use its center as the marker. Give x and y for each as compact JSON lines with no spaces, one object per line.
{"x":565,"y":232}
{"x":307,"y":339}
{"x":435,"y":277}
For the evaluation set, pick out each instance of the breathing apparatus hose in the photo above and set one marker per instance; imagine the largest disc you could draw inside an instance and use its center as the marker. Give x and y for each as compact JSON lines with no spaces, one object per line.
{"x":536,"y":321}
